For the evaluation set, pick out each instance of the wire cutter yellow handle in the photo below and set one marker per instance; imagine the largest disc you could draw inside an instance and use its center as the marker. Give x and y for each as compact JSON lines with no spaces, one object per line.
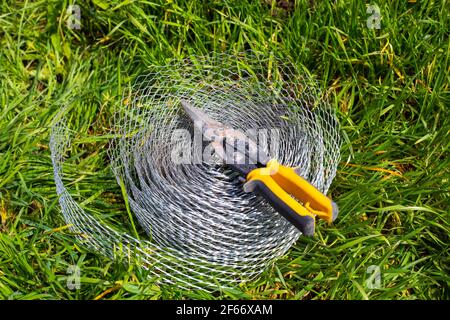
{"x":280,"y":184}
{"x":314,"y":200}
{"x":280,"y":200}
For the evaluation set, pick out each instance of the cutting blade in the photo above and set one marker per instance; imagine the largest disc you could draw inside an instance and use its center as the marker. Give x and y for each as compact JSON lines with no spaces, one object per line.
{"x":232,"y":145}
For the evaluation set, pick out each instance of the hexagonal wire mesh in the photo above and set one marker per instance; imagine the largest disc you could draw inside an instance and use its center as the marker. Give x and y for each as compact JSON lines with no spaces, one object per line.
{"x":204,"y":231}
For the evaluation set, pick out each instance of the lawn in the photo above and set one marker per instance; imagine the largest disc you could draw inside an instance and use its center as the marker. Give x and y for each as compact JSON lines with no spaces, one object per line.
{"x":389,"y":85}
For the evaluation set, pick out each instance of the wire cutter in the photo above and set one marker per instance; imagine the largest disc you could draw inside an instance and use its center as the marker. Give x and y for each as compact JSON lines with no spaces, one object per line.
{"x":282,"y":187}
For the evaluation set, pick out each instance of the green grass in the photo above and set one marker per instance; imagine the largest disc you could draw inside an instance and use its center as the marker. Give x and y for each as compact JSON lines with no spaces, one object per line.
{"x":390,"y":87}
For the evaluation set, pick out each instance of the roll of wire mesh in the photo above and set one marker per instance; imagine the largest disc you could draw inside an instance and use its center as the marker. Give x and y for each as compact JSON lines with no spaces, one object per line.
{"x":203,"y":230}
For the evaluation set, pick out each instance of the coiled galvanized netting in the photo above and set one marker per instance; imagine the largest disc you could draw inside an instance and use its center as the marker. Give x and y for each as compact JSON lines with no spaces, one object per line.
{"x":203,"y":230}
